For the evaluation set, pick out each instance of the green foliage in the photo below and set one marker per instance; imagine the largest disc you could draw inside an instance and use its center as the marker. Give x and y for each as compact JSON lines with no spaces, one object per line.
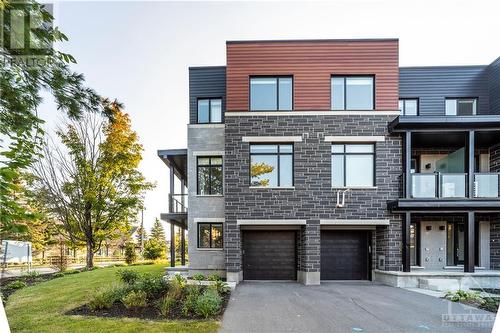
{"x":154,"y":250}
{"x":208,"y":304}
{"x":176,"y":286}
{"x":221,"y":287}
{"x":199,"y":277}
{"x":158,"y":232}
{"x":58,"y":275}
{"x":192,"y":292}
{"x":104,"y":298}
{"x":463,"y":296}
{"x":135,"y":299}
{"x":165,"y":305}
{"x":128,"y":276}
{"x":130,"y":254}
{"x":16,"y":285}
{"x":152,"y":285}
{"x":32,"y":274}
{"x":214,"y":277}
{"x":72,"y":271}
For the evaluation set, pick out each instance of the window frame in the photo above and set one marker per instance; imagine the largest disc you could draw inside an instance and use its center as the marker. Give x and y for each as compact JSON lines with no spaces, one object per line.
{"x":210,"y":224}
{"x":345,"y":154}
{"x":345,"y":76}
{"x":277,"y":77}
{"x":404,"y":99}
{"x":277,"y":154}
{"x":209,"y":110}
{"x":210,"y":166}
{"x":457,"y":99}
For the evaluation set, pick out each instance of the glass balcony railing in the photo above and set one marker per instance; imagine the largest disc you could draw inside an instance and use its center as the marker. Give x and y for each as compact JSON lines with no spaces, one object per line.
{"x":486,"y":185}
{"x":453,"y":185}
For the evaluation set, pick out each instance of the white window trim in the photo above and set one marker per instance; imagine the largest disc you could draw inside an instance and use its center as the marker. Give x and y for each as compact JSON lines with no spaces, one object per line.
{"x":354,"y":222}
{"x":270,"y":222}
{"x":243,"y":113}
{"x":213,"y":153}
{"x":209,"y":220}
{"x":273,"y":139}
{"x":354,"y":138}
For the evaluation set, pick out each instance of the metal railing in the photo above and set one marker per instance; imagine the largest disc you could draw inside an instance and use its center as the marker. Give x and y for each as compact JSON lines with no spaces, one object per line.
{"x":451,"y":185}
{"x":177,"y":203}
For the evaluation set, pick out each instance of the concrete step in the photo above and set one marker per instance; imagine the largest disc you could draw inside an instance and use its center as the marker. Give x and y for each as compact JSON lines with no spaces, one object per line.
{"x":439,"y":284}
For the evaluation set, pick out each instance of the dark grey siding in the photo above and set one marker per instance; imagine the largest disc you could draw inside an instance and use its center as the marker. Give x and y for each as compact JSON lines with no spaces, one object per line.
{"x":433,"y":84}
{"x":494,"y":78}
{"x":206,"y":82}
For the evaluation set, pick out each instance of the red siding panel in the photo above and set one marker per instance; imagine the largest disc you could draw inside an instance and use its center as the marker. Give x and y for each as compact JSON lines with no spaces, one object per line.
{"x":312,"y":63}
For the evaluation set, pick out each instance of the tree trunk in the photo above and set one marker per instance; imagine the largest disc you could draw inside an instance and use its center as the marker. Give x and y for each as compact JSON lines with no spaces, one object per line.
{"x":90,"y":255}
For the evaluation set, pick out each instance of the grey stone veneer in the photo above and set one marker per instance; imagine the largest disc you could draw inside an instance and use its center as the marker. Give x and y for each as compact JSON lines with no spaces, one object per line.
{"x":312,"y":198}
{"x":203,"y":139}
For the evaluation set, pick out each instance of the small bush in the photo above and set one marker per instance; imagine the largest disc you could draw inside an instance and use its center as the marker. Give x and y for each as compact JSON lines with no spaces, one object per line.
{"x":192,"y":292}
{"x":142,"y":263}
{"x":214,"y":277}
{"x":105,"y":297}
{"x":154,"y":250}
{"x":58,"y":275}
{"x":72,"y":271}
{"x":463,"y":296}
{"x":135,"y":299}
{"x":32,"y":274}
{"x":165,"y":305}
{"x":130,"y":254}
{"x":220,"y":287}
{"x":16,"y":285}
{"x":208,"y":304}
{"x":128,"y":276}
{"x":152,"y":285}
{"x":119,"y":265}
{"x":199,"y":277}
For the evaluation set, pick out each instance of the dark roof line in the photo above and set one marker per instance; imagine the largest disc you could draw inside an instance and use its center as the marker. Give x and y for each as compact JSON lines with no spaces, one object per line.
{"x":442,"y":66}
{"x":202,"y":67}
{"x":310,"y":40}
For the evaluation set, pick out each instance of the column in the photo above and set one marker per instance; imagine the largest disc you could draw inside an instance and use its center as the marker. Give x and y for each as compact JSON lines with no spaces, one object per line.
{"x":406,"y":241}
{"x":172,"y":244}
{"x":470,"y":163}
{"x":407,"y":164}
{"x":470,"y":246}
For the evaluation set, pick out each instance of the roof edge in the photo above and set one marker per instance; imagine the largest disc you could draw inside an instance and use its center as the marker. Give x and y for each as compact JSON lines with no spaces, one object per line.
{"x":311,"y":40}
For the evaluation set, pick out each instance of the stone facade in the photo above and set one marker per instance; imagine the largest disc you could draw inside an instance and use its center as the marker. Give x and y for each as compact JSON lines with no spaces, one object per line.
{"x":312,"y":197}
{"x":203,"y":140}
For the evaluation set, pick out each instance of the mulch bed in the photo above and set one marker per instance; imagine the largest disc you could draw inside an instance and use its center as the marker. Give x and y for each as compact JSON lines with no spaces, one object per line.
{"x":118,"y":310}
{"x":29,"y":280}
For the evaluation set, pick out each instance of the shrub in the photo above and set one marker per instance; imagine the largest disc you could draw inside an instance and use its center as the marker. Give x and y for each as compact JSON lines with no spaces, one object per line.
{"x":152,"y":285}
{"x":220,"y":287}
{"x":153,"y":249}
{"x":176,"y":286}
{"x":214,"y":277}
{"x":208,"y":304}
{"x":134,"y":299}
{"x":32,"y":274}
{"x":58,"y":275}
{"x":165,"y":305}
{"x":142,"y":263}
{"x":199,"y":277}
{"x":192,"y":292}
{"x":16,"y":285}
{"x":72,"y":271}
{"x":463,"y":296}
{"x":128,"y":276}
{"x":130,"y":254}
{"x":104,"y":298}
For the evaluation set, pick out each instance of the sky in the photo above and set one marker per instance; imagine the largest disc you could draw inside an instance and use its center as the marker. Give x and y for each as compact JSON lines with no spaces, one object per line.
{"x":139,"y":52}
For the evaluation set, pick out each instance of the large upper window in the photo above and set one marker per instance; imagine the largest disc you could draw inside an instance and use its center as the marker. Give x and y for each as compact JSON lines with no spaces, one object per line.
{"x":271,"y":165}
{"x":460,"y":106}
{"x":209,"y":110}
{"x":210,"y":235}
{"x":209,"y":175}
{"x":271,"y":93}
{"x":352,"y":93}
{"x":408,"y":107}
{"x":353,"y":165}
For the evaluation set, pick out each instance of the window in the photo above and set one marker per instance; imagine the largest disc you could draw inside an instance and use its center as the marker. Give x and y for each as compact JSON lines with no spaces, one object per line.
{"x":209,"y":110}
{"x":352,"y":93}
{"x":353,"y":165}
{"x":460,"y":106}
{"x":408,"y":107}
{"x":271,"y":165}
{"x":210,"y":236}
{"x":271,"y":93}
{"x":209,"y":175}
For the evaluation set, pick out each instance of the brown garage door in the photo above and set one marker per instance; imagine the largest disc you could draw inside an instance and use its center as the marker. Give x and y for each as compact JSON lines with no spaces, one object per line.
{"x":269,"y":255}
{"x":344,"y":255}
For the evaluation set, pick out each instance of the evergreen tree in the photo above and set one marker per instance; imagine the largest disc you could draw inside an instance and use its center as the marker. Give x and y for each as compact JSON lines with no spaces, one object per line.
{"x":158,"y":232}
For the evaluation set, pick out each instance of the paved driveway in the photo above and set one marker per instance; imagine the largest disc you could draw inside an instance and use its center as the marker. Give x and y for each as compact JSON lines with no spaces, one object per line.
{"x":340,"y":307}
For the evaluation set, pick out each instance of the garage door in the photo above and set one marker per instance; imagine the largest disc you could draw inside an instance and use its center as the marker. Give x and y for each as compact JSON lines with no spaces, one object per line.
{"x":269,"y":255}
{"x":344,"y":255}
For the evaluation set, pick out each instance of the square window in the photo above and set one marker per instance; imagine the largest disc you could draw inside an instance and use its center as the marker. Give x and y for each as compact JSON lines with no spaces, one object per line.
{"x":353,"y":165}
{"x":271,"y":93}
{"x":210,"y":235}
{"x":271,"y":165}
{"x":209,"y":110}
{"x":352,"y":93}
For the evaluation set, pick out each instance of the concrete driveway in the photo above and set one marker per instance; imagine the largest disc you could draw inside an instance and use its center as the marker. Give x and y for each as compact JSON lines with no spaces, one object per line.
{"x":344,"y":307}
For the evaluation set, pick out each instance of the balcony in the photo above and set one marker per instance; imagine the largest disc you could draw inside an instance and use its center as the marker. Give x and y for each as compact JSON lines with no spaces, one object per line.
{"x":177,"y":203}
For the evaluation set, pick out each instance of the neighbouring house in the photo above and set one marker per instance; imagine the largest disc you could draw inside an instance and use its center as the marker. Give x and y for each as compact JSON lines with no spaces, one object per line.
{"x":315,"y":160}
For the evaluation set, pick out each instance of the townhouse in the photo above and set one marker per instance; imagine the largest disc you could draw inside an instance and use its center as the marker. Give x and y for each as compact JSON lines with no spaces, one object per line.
{"x":316,"y":160}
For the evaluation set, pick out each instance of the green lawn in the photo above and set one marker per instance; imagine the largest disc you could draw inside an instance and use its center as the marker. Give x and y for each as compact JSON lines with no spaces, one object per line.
{"x":41,"y":308}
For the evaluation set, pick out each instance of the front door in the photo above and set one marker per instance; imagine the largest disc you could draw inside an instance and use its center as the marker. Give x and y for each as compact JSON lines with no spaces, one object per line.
{"x":433,"y":250}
